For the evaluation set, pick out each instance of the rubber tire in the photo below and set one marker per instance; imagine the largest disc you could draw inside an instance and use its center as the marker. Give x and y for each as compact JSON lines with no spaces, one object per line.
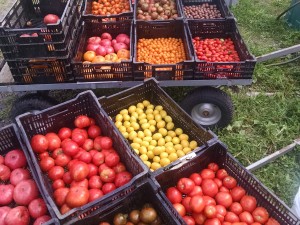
{"x":214,"y":96}
{"x":30,"y":103}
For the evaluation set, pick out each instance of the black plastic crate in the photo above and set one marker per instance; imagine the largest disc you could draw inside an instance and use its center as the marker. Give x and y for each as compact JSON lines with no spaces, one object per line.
{"x":178,"y":8}
{"x":150,"y":91}
{"x":10,"y":140}
{"x":138,"y":196}
{"x":52,"y":222}
{"x":219,"y":154}
{"x":175,"y":29}
{"x":222,"y":70}
{"x":41,"y":70}
{"x":88,"y":16}
{"x":51,"y":40}
{"x":220,"y":5}
{"x":110,"y":71}
{"x":63,"y":115}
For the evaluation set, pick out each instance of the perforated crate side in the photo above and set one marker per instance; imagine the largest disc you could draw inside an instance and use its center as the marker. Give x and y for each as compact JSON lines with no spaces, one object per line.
{"x":11,"y":140}
{"x":219,"y":154}
{"x":89,"y":17}
{"x":221,"y":6}
{"x":177,"y":71}
{"x":63,"y":115}
{"x":243,"y":69}
{"x":144,"y":193}
{"x":115,"y":71}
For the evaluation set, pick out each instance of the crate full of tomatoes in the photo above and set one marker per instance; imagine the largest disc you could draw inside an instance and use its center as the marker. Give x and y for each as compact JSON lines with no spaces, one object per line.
{"x":80,"y":158}
{"x":104,"y":52}
{"x":219,"y":50}
{"x":143,"y":205}
{"x":156,"y":128}
{"x":162,"y":50}
{"x":21,"y":201}
{"x":212,"y":187}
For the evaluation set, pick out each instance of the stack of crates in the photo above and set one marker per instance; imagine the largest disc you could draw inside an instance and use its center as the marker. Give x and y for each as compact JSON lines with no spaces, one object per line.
{"x":34,"y":51}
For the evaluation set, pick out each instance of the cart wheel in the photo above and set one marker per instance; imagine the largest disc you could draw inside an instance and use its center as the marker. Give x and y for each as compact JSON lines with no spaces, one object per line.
{"x":209,"y":107}
{"x":31,"y":103}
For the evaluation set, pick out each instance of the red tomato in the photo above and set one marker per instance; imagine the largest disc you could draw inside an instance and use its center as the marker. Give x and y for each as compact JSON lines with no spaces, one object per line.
{"x":186,"y":203}
{"x":229,"y":182}
{"x":221,"y":174}
{"x":213,"y":166}
{"x":272,"y":221}
{"x":93,"y":170}
{"x":56,"y":152}
{"x":221,"y":212}
{"x":224,"y":189}
{"x":88,"y":144}
{"x":231,"y":217}
{"x":94,"y":131}
{"x":39,"y":143}
{"x":209,"y":200}
{"x":236,"y":208}
{"x":77,"y":196}
{"x":53,"y":141}
{"x":213,"y":221}
{"x":199,"y":218}
{"x":94,"y":194}
{"x":122,"y":178}
{"x":207,"y":174}
{"x":93,"y":152}
{"x":196,"y":191}
{"x":98,"y":159}
{"x":248,"y":203}
{"x":78,"y":137}
{"x":102,"y":167}
{"x":83,"y":183}
{"x":95,"y":182}
{"x":174,"y":195}
{"x":180,"y":209}
{"x":62,"y":160}
{"x":72,"y":163}
{"x":60,"y":195}
{"x":209,"y":187}
{"x":41,"y":156}
{"x":237,"y":193}
{"x":108,"y":187}
{"x":59,"y":183}
{"x":56,"y":172}
{"x":189,"y":220}
{"x":246,"y":217}
{"x":46,"y":164}
{"x":218,"y":182}
{"x":196,"y":178}
{"x":82,"y":121}
{"x":120,"y":167}
{"x":64,"y":133}
{"x":64,"y":209}
{"x":79,"y":171}
{"x":197,"y":204}
{"x":185,"y":185}
{"x":85,"y":157}
{"x":108,"y":175}
{"x":210,"y":211}
{"x":81,"y":131}
{"x":112,"y":159}
{"x":106,"y":142}
{"x":224,"y":198}
{"x":70,"y":148}
{"x":260,"y":215}
{"x":67,"y":178}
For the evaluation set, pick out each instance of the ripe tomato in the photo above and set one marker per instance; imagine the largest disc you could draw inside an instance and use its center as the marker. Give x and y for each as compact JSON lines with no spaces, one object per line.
{"x":210,"y":211}
{"x":207,"y":174}
{"x":77,"y":196}
{"x":64,"y":133}
{"x":94,"y":131}
{"x":108,"y":175}
{"x":221,"y":174}
{"x":85,"y":157}
{"x":62,"y":160}
{"x":122,"y":178}
{"x":213,"y":221}
{"x":112,"y":159}
{"x":180,"y":209}
{"x":106,"y":142}
{"x":209,"y":200}
{"x":272,"y":221}
{"x":229,"y":182}
{"x":231,"y":217}
{"x":186,"y":203}
{"x":81,"y":131}
{"x":41,"y":156}
{"x":120,"y":167}
{"x":53,"y":141}
{"x":196,"y":178}
{"x":83,"y":183}
{"x":95,"y":182}
{"x":79,"y":171}
{"x":93,"y":170}
{"x":102,"y":167}
{"x":199,"y":218}
{"x":224,"y":189}
{"x":189,"y":220}
{"x":60,"y":195}
{"x":56,"y":172}
{"x":213,"y":166}
{"x":221,"y":212}
{"x":39,"y":143}
{"x":64,"y":209}
{"x":196,"y":191}
{"x":98,"y":158}
{"x":237,"y":193}
{"x":224,"y":198}
{"x":78,"y":137}
{"x":185,"y":185}
{"x":88,"y":144}
{"x":174,"y":195}
{"x":70,"y":148}
{"x":260,"y":215}
{"x":67,"y":177}
{"x":57,"y":152}
{"x":59,"y":183}
{"x":218,"y":182}
{"x":94,"y":194}
{"x":246,"y":217}
{"x":209,"y":187}
{"x":197,"y":204}
{"x":47,"y":163}
{"x":82,"y":121}
{"x":248,"y":203}
{"x":236,"y":208}
{"x":108,"y":187}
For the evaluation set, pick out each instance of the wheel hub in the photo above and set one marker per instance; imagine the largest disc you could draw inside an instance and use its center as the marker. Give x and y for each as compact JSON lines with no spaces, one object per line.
{"x":206,"y":114}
